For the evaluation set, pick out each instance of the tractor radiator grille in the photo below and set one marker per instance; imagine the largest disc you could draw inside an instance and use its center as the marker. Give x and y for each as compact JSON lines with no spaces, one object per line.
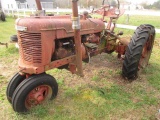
{"x":31,"y":47}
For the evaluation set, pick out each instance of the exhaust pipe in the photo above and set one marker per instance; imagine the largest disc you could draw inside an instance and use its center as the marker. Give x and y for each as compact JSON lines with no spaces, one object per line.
{"x":39,"y":7}
{"x":38,"y":3}
{"x":77,"y":37}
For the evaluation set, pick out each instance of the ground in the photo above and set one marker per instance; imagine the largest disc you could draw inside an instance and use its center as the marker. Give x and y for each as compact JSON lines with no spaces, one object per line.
{"x":101,"y":94}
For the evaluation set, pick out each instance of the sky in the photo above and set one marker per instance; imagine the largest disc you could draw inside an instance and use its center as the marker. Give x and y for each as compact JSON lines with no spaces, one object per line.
{"x":140,"y":1}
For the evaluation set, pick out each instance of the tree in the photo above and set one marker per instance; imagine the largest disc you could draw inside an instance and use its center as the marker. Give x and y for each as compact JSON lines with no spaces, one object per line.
{"x":113,"y":3}
{"x":155,"y":5}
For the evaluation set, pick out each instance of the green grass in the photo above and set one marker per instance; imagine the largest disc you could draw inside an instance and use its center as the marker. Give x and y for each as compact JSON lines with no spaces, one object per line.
{"x":136,"y":20}
{"x":128,"y":33}
{"x":153,"y":69}
{"x":7,"y":29}
{"x":102,"y":94}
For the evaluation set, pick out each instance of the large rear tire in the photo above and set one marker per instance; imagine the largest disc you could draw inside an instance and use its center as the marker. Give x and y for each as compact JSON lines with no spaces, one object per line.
{"x":33,"y":91}
{"x":14,"y":38}
{"x":138,"y":51}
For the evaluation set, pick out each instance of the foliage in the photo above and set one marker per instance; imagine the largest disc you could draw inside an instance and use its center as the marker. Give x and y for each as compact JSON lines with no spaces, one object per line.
{"x":83,"y":3}
{"x":7,"y":29}
{"x":155,"y":5}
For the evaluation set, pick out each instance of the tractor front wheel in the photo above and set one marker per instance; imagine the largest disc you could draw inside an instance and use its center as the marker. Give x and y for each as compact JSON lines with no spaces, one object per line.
{"x":12,"y":85}
{"x":138,"y":52}
{"x":34,"y":91}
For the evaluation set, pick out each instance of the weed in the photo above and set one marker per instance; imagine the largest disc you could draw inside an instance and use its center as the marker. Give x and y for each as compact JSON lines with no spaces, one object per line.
{"x":119,"y":72}
{"x":148,"y":100}
{"x":52,"y":71}
{"x":70,"y":92}
{"x":1,"y":77}
{"x":60,"y":81}
{"x":11,"y":50}
{"x":40,"y":111}
{"x":95,"y":78}
{"x":110,"y":72}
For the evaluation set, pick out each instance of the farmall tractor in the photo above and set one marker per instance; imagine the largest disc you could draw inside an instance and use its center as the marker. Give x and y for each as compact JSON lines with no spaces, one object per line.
{"x":48,"y":42}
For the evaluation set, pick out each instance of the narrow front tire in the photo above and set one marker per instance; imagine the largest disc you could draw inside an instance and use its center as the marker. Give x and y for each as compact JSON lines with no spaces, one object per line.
{"x":34,"y":91}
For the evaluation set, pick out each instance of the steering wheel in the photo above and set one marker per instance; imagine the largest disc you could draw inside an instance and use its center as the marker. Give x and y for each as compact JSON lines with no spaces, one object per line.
{"x":109,"y":3}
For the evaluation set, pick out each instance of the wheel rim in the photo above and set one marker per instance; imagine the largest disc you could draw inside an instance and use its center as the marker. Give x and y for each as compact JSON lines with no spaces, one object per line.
{"x":38,"y":95}
{"x":146,"y":52}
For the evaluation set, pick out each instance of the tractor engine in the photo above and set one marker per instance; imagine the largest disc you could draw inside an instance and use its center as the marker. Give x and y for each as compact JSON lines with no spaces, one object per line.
{"x":66,"y":47}
{"x":63,"y":48}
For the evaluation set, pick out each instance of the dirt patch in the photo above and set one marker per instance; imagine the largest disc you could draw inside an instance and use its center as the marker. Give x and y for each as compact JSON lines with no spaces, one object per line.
{"x":8,"y":68}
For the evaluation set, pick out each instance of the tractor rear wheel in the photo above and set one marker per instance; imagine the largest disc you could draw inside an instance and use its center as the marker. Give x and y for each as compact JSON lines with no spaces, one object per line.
{"x":138,"y":52}
{"x":12,"y":85}
{"x":35,"y":90}
{"x":14,"y":38}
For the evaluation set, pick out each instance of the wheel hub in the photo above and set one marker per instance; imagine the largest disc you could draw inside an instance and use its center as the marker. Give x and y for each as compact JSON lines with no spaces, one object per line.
{"x":145,"y":53}
{"x":37,"y":96}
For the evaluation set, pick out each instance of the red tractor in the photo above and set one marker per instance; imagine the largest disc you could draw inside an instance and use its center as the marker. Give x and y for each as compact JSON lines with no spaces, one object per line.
{"x":47,"y":42}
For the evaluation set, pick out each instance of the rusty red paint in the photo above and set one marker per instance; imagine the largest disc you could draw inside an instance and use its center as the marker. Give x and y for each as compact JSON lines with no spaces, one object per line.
{"x":37,"y":96}
{"x":51,"y":28}
{"x":145,"y":53}
{"x":37,"y":42}
{"x":120,"y":49}
{"x":72,"y":68}
{"x":110,"y":47}
{"x":77,"y":40}
{"x":110,"y":12}
{"x":38,"y":3}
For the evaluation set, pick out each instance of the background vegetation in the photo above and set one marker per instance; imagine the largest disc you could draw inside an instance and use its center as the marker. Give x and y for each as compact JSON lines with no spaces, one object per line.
{"x":97,"y":3}
{"x":155,"y":5}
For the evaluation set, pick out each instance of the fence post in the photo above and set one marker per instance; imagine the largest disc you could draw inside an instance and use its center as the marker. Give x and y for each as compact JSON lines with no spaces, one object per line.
{"x":12,"y":12}
{"x":57,"y":10}
{"x":8,"y":11}
{"x":18,"y":13}
{"x":32,"y":11}
{"x":127,"y":15}
{"x":24,"y":12}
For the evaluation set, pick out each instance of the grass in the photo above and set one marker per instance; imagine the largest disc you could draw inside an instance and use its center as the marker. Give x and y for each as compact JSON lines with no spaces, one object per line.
{"x":153,"y":69}
{"x":7,"y":29}
{"x":101,"y":94}
{"x":136,"y":20}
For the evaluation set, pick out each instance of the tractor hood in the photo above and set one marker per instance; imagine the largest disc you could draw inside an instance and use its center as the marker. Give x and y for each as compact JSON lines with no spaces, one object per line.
{"x":61,"y":25}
